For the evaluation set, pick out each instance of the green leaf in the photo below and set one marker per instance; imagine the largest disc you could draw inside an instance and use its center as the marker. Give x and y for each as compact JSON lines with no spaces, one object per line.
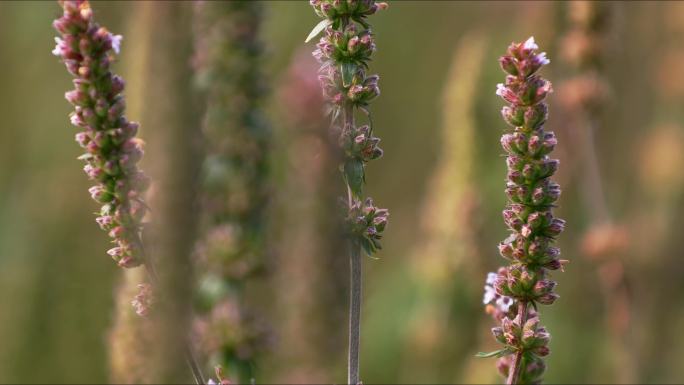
{"x":353,"y":173}
{"x":367,"y":246}
{"x":347,"y":69}
{"x":317,"y":29}
{"x":496,"y":353}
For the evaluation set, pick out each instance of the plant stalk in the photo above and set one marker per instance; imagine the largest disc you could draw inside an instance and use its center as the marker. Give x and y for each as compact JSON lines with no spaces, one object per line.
{"x":354,"y":280}
{"x":154,"y":280}
{"x":516,"y":365}
{"x":354,"y":314}
{"x":593,"y":187}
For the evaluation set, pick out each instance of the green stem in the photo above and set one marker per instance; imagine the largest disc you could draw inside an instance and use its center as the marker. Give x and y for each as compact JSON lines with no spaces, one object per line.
{"x":354,"y":314}
{"x":354,"y":279}
{"x":516,"y":365}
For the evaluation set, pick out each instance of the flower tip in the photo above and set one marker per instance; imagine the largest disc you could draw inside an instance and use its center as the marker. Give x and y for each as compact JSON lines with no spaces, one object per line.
{"x":530,"y":44}
{"x":116,"y":43}
{"x":543,"y":59}
{"x":500,"y":89}
{"x":58,"y":47}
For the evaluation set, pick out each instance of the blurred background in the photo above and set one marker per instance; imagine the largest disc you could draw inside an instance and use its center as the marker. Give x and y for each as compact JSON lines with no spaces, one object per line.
{"x":618,"y":114}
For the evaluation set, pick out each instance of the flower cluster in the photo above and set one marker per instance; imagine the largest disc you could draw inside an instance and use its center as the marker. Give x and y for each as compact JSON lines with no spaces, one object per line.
{"x":358,"y":92}
{"x":359,"y":143}
{"x":236,"y":184}
{"x":232,"y":335}
{"x":356,"y":10}
{"x":344,"y":52}
{"x":235,"y":173}
{"x":529,"y":217}
{"x":348,"y":45}
{"x":367,"y":223}
{"x":143,"y":301}
{"x":533,"y":339}
{"x":112,"y":150}
{"x":499,"y":306}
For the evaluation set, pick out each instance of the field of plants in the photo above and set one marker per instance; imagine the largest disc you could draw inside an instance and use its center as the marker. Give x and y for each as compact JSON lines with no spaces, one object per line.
{"x":341,"y":191}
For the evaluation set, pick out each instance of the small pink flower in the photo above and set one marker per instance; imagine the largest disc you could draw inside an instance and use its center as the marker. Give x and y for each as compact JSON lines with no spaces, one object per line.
{"x":59,"y":47}
{"x":116,"y":43}
{"x":530,"y":44}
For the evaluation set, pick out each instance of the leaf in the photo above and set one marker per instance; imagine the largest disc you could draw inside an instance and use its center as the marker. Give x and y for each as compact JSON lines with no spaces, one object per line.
{"x":353,"y":173}
{"x":367,"y":246}
{"x":496,"y":353}
{"x":348,"y":69}
{"x":317,"y":29}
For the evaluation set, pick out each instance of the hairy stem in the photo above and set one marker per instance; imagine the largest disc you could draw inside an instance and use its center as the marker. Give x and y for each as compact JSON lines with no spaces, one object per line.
{"x":354,"y":314}
{"x":516,"y":365}
{"x":354,"y":279}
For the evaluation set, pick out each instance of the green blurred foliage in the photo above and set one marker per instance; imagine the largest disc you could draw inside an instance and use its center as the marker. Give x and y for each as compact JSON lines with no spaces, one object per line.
{"x":56,"y":282}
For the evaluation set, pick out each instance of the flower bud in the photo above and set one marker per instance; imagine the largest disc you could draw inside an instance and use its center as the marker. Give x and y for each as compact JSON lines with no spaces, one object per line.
{"x":499,"y":334}
{"x":542,"y":351}
{"x":508,"y":64}
{"x":554,"y":264}
{"x":548,"y":299}
{"x":117,"y":86}
{"x":506,"y":250}
{"x":101,"y":107}
{"x":94,"y":173}
{"x":82,"y":139}
{"x":353,"y":45}
{"x":555,"y":227}
{"x":116,"y":109}
{"x":100,"y":194}
{"x":77,"y":98}
{"x":535,"y":116}
{"x":516,"y":177}
{"x":526,"y":231}
{"x":528,"y":171}
{"x":507,"y":94}
{"x":513,"y":116}
{"x":514,"y":162}
{"x":104,"y":221}
{"x":547,"y":168}
{"x":543,"y":287}
{"x":548,"y":144}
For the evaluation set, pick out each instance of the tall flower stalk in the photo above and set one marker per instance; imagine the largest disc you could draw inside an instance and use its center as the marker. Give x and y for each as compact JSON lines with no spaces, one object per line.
{"x":514,"y":291}
{"x":112,"y":149}
{"x":236,"y":188}
{"x":344,"y":52}
{"x":584,"y":96}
